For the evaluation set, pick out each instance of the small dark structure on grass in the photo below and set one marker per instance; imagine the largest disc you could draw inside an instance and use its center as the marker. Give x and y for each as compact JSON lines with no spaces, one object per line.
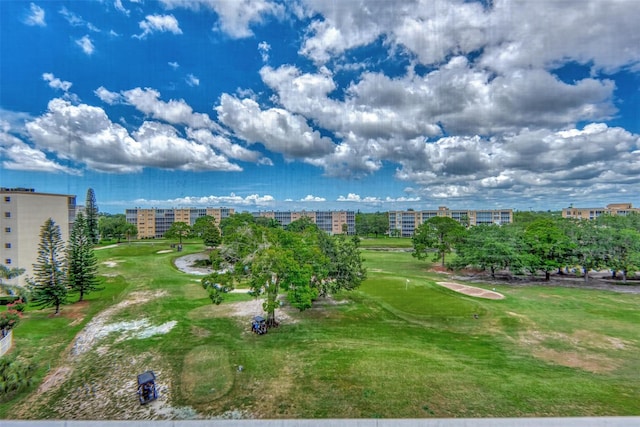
{"x":147,"y":387}
{"x":259,"y":325}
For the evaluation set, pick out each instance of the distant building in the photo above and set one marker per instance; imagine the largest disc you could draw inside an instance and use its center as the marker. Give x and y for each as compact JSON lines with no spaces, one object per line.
{"x":332,"y":222}
{"x":404,"y":223}
{"x":23,"y":211}
{"x":153,"y":223}
{"x":593,"y":213}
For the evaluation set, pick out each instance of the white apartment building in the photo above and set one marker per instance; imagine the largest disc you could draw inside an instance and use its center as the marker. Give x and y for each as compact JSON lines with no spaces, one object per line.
{"x":23,"y":211}
{"x":404,"y":223}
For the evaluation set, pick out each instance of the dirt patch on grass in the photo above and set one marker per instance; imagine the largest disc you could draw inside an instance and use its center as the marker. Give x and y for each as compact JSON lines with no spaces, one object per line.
{"x":61,"y":378}
{"x":573,"y":359}
{"x":75,"y":311}
{"x":244,"y":311}
{"x":471,"y":290}
{"x":94,"y":330}
{"x":581,"y":349}
{"x":110,"y":263}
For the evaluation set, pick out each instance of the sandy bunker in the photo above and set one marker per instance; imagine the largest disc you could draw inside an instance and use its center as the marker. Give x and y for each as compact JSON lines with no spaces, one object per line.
{"x":471,"y":290}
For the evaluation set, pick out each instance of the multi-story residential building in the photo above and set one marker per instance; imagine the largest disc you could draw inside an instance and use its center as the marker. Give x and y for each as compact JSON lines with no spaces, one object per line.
{"x":332,"y":222}
{"x":153,"y":223}
{"x":593,"y":213}
{"x":404,"y":223}
{"x":23,"y":211}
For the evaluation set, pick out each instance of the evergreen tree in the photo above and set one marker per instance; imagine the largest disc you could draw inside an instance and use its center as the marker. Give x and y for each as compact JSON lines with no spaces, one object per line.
{"x":81,"y":260}
{"x":49,"y":286}
{"x":91,"y":208}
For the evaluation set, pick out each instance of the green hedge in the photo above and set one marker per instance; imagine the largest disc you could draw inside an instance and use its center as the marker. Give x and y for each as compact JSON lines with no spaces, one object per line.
{"x":8,"y":299}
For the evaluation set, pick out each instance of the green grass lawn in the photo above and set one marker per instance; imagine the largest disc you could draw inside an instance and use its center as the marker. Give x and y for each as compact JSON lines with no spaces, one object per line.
{"x":398,"y":347}
{"x":386,"y":242}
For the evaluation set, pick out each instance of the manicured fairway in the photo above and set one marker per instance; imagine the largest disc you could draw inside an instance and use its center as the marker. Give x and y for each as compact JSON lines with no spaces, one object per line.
{"x":400,"y":346}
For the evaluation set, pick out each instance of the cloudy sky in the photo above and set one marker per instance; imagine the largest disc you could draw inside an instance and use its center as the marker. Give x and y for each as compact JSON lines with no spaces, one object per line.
{"x":313,"y":104}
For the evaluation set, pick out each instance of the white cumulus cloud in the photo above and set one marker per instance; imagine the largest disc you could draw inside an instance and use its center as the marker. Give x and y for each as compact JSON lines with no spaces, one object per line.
{"x":158,"y":23}
{"x":36,"y":16}
{"x":192,"y":80}
{"x":85,"y":134}
{"x":56,"y":83}
{"x":235,"y":18}
{"x":86,"y":44}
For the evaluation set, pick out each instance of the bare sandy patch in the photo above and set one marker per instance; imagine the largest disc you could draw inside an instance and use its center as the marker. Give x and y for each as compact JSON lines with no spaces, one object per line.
{"x":93,"y":331}
{"x":111,"y":392}
{"x":110,"y":263}
{"x":54,"y":378}
{"x":574,"y":359}
{"x":244,"y":311}
{"x":471,"y":290}
{"x":584,"y":348}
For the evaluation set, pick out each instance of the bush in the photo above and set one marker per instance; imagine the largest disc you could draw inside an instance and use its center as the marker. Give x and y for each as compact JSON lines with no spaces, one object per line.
{"x":8,"y":299}
{"x":18,"y":305}
{"x":8,"y":320}
{"x":15,"y":376}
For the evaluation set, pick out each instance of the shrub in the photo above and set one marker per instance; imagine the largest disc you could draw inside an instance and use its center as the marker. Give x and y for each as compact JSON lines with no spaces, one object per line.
{"x":8,"y":299}
{"x":18,"y":305}
{"x":9,"y":319}
{"x":15,"y":376}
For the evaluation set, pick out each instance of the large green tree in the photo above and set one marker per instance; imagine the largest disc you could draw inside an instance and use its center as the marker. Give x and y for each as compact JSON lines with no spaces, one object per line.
{"x":621,"y":235}
{"x":82,"y":264}
{"x":372,"y":223}
{"x":438,"y":236}
{"x":178,"y":230}
{"x":285,"y":260}
{"x":546,"y":246}
{"x":345,"y":269}
{"x":49,"y":285}
{"x":232,"y":222}
{"x":591,"y":248}
{"x":91,"y":209}
{"x":116,"y":227}
{"x":304,"y":263}
{"x":205,"y":227}
{"x":489,"y":247}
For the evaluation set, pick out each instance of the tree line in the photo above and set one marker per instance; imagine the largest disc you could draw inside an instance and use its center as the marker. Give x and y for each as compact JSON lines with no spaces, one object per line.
{"x":540,"y":244}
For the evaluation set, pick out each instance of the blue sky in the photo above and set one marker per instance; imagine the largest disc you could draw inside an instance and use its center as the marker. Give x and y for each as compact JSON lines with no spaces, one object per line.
{"x":315,"y":104}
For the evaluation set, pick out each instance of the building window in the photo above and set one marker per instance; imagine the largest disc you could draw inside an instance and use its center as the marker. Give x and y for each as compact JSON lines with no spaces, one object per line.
{"x":7,"y":261}
{"x":7,"y":229}
{"x":7,"y":214}
{"x":7,"y":245}
{"x":7,"y":199}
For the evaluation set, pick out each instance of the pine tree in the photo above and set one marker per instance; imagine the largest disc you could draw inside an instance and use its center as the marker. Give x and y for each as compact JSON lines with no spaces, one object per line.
{"x":49,"y":286}
{"x":81,"y":260}
{"x":91,"y":208}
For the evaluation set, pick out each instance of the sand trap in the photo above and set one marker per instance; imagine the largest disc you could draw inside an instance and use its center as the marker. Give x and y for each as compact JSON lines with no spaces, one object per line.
{"x":166,"y":251}
{"x":110,"y":264}
{"x":471,"y":290}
